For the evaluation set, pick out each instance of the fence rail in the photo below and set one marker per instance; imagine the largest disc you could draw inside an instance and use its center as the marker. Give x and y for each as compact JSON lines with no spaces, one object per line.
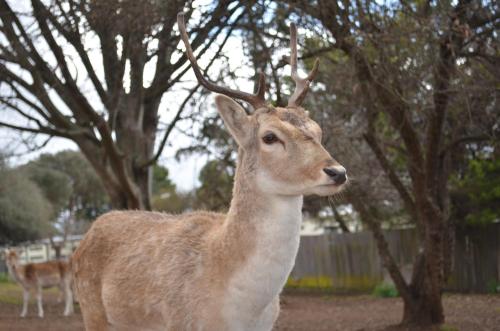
{"x":350,"y":262}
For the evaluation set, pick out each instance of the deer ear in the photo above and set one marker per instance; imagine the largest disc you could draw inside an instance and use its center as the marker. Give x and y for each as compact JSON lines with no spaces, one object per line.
{"x":235,"y":118}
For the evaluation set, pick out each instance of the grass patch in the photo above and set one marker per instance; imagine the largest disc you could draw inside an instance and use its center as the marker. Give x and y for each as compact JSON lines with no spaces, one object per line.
{"x":446,"y":327}
{"x":4,"y":277}
{"x":337,"y":284}
{"x":384,"y":290}
{"x":322,"y":282}
{"x":12,"y":293}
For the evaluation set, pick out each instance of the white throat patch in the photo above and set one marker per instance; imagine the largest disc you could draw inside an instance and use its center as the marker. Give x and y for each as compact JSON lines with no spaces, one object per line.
{"x":251,"y":291}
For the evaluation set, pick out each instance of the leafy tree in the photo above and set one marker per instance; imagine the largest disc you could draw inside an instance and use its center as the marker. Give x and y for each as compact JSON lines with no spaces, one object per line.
{"x":165,"y":196}
{"x":25,"y":213}
{"x":216,"y":186}
{"x":71,"y":186}
{"x":475,"y":196}
{"x":55,"y":185}
{"x":86,"y":197}
{"x":161,"y":181}
{"x":216,"y":176}
{"x":172,"y":202}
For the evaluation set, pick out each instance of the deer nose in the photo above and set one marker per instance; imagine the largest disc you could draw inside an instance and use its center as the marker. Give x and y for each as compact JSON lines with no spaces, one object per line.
{"x":338,"y":174}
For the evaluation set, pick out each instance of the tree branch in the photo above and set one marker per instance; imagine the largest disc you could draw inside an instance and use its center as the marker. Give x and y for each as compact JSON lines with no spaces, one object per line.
{"x":468,"y":139}
{"x":369,"y":218}
{"x":162,"y":80}
{"x":391,"y":174}
{"x":170,"y":128}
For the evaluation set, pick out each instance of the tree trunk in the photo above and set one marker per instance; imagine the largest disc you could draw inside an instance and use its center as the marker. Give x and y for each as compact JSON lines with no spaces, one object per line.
{"x":422,"y":296}
{"x":127,"y":182}
{"x":424,"y":310}
{"x":425,"y":307}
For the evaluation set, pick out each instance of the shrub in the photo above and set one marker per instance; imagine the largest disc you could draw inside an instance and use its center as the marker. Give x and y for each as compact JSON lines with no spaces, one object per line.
{"x":493,"y":286}
{"x":384,"y":290}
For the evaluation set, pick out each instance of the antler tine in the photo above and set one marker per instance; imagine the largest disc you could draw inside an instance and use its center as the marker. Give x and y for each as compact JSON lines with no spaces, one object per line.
{"x":256,"y":100}
{"x":301,"y":84}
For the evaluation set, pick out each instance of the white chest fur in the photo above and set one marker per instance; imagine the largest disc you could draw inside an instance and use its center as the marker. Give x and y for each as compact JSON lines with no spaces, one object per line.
{"x":251,"y":298}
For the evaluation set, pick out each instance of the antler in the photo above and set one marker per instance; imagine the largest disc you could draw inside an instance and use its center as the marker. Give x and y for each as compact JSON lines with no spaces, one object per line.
{"x":256,"y":100}
{"x":301,"y":84}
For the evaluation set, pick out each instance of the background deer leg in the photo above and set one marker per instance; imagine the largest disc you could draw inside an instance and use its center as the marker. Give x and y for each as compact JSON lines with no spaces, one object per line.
{"x":68,"y":309}
{"x":39,"y":301}
{"x":61,"y":294}
{"x":26,"y":299}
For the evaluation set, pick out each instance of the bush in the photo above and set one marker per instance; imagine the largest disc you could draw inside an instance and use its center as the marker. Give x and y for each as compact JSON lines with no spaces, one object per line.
{"x":384,"y":290}
{"x":493,"y":286}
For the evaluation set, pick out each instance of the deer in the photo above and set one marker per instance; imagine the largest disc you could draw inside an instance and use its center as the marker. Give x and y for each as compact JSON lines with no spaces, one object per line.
{"x":37,"y":276}
{"x":201,"y":270}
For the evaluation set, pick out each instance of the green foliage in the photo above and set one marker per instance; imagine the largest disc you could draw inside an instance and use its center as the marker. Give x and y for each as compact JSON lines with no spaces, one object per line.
{"x":33,"y":196}
{"x":384,"y":290}
{"x":25,"y":213}
{"x":55,"y":185}
{"x":172,"y":202}
{"x":165,"y":197}
{"x":161,"y":182}
{"x":216,"y":176}
{"x":69,"y":182}
{"x":216,"y":186}
{"x":477,"y":194}
{"x":493,"y":286}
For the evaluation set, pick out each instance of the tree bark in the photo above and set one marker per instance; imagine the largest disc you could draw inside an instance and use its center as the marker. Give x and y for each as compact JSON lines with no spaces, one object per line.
{"x":425,"y":306}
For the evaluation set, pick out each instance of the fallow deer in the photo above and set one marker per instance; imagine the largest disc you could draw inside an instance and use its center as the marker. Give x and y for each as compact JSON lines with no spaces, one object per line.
{"x":138,"y":270}
{"x":38,"y":276}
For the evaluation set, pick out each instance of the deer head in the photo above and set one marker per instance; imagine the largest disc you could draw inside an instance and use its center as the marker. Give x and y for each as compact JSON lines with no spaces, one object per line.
{"x":11,"y":256}
{"x":283,"y":145}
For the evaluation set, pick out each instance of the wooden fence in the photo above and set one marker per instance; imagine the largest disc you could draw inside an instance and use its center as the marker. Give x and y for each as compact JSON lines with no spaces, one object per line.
{"x":350,"y":262}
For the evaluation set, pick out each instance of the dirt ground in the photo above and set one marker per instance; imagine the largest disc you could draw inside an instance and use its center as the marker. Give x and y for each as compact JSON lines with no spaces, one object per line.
{"x":298,"y":313}
{"x":366,"y":313}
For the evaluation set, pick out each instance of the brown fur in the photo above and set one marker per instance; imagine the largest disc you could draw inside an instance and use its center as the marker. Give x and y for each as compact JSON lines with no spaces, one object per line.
{"x":152,"y":271}
{"x":54,"y":269}
{"x":172,"y":248}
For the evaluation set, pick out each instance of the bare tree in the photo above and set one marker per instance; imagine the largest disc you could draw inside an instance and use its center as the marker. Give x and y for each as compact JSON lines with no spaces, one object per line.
{"x":414,"y":103}
{"x":77,"y":69}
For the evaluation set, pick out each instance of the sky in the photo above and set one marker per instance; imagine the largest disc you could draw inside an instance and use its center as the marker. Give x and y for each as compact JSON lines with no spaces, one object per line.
{"x":183,"y":172}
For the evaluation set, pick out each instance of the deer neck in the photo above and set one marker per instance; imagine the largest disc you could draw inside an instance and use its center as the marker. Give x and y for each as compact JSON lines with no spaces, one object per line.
{"x":264,"y":229}
{"x":14,"y":271}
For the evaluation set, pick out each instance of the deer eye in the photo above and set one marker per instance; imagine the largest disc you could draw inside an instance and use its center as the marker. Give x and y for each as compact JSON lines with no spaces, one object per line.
{"x":270,"y":138}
